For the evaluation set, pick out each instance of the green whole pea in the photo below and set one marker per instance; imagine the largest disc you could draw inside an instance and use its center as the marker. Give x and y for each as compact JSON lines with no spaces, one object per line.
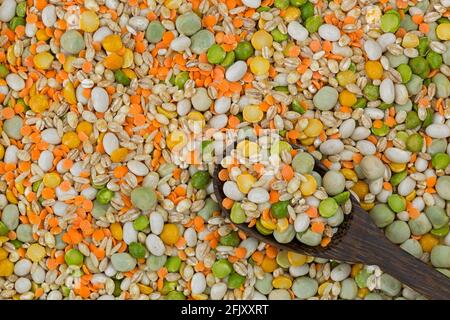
{"x":284,"y":89}
{"x":15,"y":22}
{"x":278,"y":36}
{"x":229,"y":59}
{"x":397,"y":203}
{"x":390,"y":22}
{"x":342,"y":197}
{"x":200,"y":179}
{"x":216,"y":54}
{"x":297,"y":107}
{"x":434,"y":59}
{"x":280,"y":209}
{"x":122,"y":78}
{"x":313,"y":23}
{"x":381,"y":131}
{"x":137,"y":250}
{"x":423,"y":46}
{"x":360,"y":103}
{"x":440,"y":160}
{"x":263,"y":9}
{"x":173,"y":264}
{"x":414,"y":143}
{"x":221,"y":268}
{"x":141,"y":223}
{"x":235,"y":280}
{"x":371,"y":92}
{"x":243,"y":50}
{"x":181,"y":78}
{"x":175,"y":295}
{"x":412,"y":120}
{"x":398,"y":177}
{"x":169,"y":286}
{"x":307,"y":10}
{"x":297,"y":3}
{"x":21,"y":9}
{"x":281,"y":4}
{"x":104,"y":196}
{"x":328,"y":207}
{"x":74,"y":257}
{"x":405,"y":72}
{"x":3,"y":71}
{"x":237,"y":214}
{"x":231,"y":239}
{"x":419,"y":66}
{"x":3,"y":229}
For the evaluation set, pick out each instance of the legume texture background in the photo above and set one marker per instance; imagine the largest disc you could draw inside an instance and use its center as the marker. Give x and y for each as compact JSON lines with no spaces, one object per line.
{"x":95,"y":95}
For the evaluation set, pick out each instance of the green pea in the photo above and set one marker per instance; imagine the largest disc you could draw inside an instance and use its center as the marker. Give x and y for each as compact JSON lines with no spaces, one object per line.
{"x":15,"y":22}
{"x":382,"y":131}
{"x":235,"y":280}
{"x":137,"y":250}
{"x":244,"y":50}
{"x":21,"y":9}
{"x":398,"y":177}
{"x":3,"y":71}
{"x":263,"y":9}
{"x":434,"y":59}
{"x":440,"y":160}
{"x":117,"y":291}
{"x":307,"y":10}
{"x":428,"y":119}
{"x":360,"y":103}
{"x":440,"y":232}
{"x":3,"y":229}
{"x":122,"y":78}
{"x":176,"y":295}
{"x":169,"y":286}
{"x":437,"y":216}
{"x":419,"y":66}
{"x":297,"y":107}
{"x":284,"y":89}
{"x":390,"y":22}
{"x":412,"y":120}
{"x":371,"y":92}
{"x":362,"y":277}
{"x":154,"y":263}
{"x":154,"y":32}
{"x":181,"y":78}
{"x":216,"y":54}
{"x":188,"y":23}
{"x":104,"y":196}
{"x":141,"y":223}
{"x":16,"y":243}
{"x":143,"y":198}
{"x":237,"y":214}
{"x":423,"y":46}
{"x":173,"y":264}
{"x":303,"y":163}
{"x":200,"y":179}
{"x":328,"y":207}
{"x":352,"y":67}
{"x":231,"y":239}
{"x":172,"y":79}
{"x":280,"y":209}
{"x":405,"y":72}
{"x":281,"y":4}
{"x":384,"y":106}
{"x":221,"y":268}
{"x":397,"y":203}
{"x":297,"y":3}
{"x":202,"y":41}
{"x":278,"y":36}
{"x":313,"y":23}
{"x":261,"y":229}
{"x":402,"y":135}
{"x":74,"y":257}
{"x":414,"y":142}
{"x":229,"y":59}
{"x":342,"y":197}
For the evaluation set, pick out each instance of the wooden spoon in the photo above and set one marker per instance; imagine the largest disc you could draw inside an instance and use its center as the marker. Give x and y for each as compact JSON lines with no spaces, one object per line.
{"x":359,"y":240}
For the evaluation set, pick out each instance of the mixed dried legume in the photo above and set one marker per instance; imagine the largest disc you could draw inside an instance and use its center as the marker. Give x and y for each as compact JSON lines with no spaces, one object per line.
{"x":114,"y":113}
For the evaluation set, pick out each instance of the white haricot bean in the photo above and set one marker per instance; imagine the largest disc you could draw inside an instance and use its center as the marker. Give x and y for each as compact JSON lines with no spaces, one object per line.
{"x":329,"y":32}
{"x":22,"y":267}
{"x":252,"y":3}
{"x":366,"y":147}
{"x":129,"y":233}
{"x":331,"y":147}
{"x":340,"y":272}
{"x":385,"y":40}
{"x":258,"y":195}
{"x":231,"y":190}
{"x":218,"y":122}
{"x":110,"y":142}
{"x":438,"y":131}
{"x":46,"y":160}
{"x":347,"y":127}
{"x":297,"y":31}
{"x":360,"y":133}
{"x":372,"y":49}
{"x":387,"y":91}
{"x":236,"y":71}
{"x":15,"y":82}
{"x":222,"y":105}
{"x":155,"y":245}
{"x":198,"y":283}
{"x":156,"y":223}
{"x":401,"y":94}
{"x":100,"y":99}
{"x":49,"y":16}
{"x":51,"y":136}
{"x":301,"y":222}
{"x":200,"y":100}
{"x":398,"y":155}
{"x":7,"y":10}
{"x":138,"y":168}
{"x":406,"y":186}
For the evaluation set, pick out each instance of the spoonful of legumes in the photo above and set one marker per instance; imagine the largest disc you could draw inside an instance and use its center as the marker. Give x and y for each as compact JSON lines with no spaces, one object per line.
{"x":281,"y":195}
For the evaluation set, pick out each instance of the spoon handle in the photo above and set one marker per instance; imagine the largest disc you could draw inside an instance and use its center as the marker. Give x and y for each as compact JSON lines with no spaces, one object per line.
{"x":370,"y":246}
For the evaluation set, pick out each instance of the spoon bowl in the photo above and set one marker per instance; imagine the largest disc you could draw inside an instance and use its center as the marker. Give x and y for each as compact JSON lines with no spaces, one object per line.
{"x":358,"y":239}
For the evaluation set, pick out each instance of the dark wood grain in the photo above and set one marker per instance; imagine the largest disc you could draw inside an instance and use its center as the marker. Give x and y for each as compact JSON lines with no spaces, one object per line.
{"x":359,"y":240}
